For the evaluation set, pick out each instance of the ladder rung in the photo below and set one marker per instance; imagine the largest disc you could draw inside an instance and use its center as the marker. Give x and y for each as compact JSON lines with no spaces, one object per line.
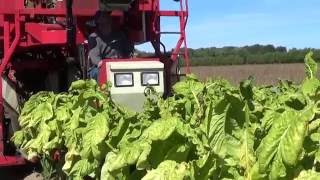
{"x":168,"y":32}
{"x":173,"y":13}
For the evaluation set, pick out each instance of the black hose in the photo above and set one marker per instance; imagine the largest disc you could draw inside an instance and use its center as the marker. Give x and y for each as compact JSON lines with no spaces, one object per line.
{"x":71,"y":28}
{"x":83,"y":61}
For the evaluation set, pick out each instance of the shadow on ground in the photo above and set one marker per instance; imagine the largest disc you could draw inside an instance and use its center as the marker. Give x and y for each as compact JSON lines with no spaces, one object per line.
{"x":20,"y":173}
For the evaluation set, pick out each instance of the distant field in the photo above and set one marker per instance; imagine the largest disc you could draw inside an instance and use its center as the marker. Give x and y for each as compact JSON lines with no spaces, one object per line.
{"x":264,"y":74}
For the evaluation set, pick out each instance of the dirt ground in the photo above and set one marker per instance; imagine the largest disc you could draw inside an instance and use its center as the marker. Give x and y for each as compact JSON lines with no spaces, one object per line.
{"x":264,"y":74}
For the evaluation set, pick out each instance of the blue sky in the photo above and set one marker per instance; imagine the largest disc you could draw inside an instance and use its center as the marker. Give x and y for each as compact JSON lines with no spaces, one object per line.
{"x":290,"y":23}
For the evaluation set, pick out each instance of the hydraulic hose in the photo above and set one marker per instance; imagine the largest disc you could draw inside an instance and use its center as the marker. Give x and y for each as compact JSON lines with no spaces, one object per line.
{"x":71,"y":29}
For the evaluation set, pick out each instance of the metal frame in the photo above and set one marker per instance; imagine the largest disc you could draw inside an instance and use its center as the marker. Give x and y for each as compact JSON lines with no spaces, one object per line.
{"x":13,"y":23}
{"x":20,"y":31}
{"x":183,"y":15}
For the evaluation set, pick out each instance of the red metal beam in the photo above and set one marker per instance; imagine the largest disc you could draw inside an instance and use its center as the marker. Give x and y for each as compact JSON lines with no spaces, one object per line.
{"x":55,"y":12}
{"x":6,"y":59}
{"x":11,"y":161}
{"x":46,"y":33}
{"x":6,"y":35}
{"x":173,"y":13}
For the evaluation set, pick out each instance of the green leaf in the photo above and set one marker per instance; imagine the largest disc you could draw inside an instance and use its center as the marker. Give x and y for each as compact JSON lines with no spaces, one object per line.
{"x":70,"y":158}
{"x":42,"y":138}
{"x":83,"y":168}
{"x":94,"y":135}
{"x":283,"y":144}
{"x":317,"y":156}
{"x":246,"y":89}
{"x":18,"y":138}
{"x":189,"y":87}
{"x":138,"y":151}
{"x":308,"y":175}
{"x":315,"y":137}
{"x":160,"y":130}
{"x":169,"y":170}
{"x":215,"y":131}
{"x":246,"y":152}
{"x":126,"y":156}
{"x":204,"y":168}
{"x":311,"y":66}
{"x":42,"y":112}
{"x":78,"y":85}
{"x":53,"y":144}
{"x":310,"y":86}
{"x":206,"y":130}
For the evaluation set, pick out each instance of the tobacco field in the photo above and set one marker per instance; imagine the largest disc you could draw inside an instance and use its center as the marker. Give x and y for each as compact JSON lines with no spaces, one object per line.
{"x":205,"y":130}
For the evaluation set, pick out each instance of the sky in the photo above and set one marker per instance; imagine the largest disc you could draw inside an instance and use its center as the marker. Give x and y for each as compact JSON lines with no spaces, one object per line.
{"x":290,"y":23}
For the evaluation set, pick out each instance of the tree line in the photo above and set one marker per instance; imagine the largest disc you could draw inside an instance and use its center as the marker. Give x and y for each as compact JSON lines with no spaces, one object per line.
{"x":255,"y":54}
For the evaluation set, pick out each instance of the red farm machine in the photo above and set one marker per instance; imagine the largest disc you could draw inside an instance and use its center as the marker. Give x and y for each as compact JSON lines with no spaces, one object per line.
{"x":43,"y":47}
